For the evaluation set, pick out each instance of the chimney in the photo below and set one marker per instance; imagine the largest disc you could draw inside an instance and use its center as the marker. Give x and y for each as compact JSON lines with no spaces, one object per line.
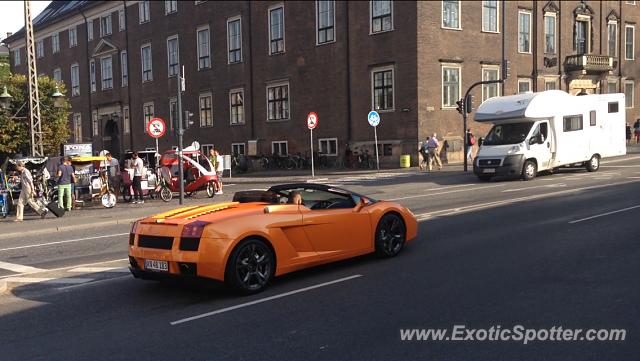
{"x":9,"y":34}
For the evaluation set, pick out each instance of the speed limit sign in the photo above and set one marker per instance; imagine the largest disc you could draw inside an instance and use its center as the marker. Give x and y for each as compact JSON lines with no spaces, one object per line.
{"x":156,"y":128}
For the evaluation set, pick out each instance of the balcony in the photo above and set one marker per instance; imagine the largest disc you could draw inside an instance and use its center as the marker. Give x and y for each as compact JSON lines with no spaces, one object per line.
{"x":589,"y":63}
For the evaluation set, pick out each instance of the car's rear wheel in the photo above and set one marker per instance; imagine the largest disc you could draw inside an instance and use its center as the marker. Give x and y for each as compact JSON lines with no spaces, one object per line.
{"x":250,"y":267}
{"x":391,"y":234}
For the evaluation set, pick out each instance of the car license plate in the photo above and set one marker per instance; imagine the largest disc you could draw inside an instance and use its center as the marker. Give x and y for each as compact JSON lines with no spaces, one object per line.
{"x":153,"y":265}
{"x":489,"y":170}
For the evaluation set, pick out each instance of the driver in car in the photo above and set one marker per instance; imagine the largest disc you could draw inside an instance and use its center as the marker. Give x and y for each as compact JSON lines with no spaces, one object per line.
{"x":295,"y":198}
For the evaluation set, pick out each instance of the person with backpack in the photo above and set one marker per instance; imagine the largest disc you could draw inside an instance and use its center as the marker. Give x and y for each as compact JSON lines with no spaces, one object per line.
{"x":424,"y":152}
{"x":470,"y":141}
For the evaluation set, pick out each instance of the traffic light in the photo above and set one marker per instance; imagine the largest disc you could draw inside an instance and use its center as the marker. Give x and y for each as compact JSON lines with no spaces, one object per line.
{"x":460,"y":107}
{"x":468,"y":104}
{"x":506,"y":69}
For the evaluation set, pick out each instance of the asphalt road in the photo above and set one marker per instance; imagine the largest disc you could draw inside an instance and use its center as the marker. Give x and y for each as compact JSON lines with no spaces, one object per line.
{"x":498,"y":253}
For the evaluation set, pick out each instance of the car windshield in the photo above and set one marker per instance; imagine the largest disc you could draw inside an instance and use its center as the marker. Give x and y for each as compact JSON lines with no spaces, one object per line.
{"x":512,"y":133}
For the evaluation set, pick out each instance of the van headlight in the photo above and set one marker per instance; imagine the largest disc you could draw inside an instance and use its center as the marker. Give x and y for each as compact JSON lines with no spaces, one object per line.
{"x":515,"y":149}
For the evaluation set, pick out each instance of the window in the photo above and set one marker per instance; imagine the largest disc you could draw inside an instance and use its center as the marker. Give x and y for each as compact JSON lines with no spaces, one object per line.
{"x":490,"y":16}
{"x":40,"y":49}
{"x":490,"y":90}
{"x":524,"y":31}
{"x":147,"y":65}
{"x":57,"y":75}
{"x":279,"y":148}
{"x":206,"y":149}
{"x":236,"y":102}
{"x":92,"y":74}
{"x":612,"y":38}
{"x":450,"y":86}
{"x":524,"y":85}
{"x":173,"y":55}
{"x":204,"y":52}
{"x":276,"y":30}
{"x":612,"y":87}
{"x":572,"y":123}
{"x":143,"y":12}
{"x":550,"y":33}
{"x":77,"y":127}
{"x":234,"y":40}
{"x":105,"y":25}
{"x":75,"y":80}
{"x":237,"y":148}
{"x":126,"y":120}
{"x":170,"y":7}
{"x":95,"y":128}
{"x":106,"y":70}
{"x":628,"y":94}
{"x":55,"y":43}
{"x":122,"y":22}
{"x":206,"y":116}
{"x":147,"y":111}
{"x":325,"y":21}
{"x":613,"y":107}
{"x":550,"y":84}
{"x":90,"y":29}
{"x":278,"y":102}
{"x":328,"y":146}
{"x":451,"y":14}
{"x":124,"y":68}
{"x":385,"y":149}
{"x":582,"y":36}
{"x":381,"y":16}
{"x":73,"y":36}
{"x":382,"y":88}
{"x":628,"y":41}
{"x":16,"y":57}
{"x":173,"y":113}
{"x":592,"y":118}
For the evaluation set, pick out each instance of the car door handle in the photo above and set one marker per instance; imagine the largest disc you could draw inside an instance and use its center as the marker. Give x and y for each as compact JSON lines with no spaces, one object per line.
{"x":548,"y":145}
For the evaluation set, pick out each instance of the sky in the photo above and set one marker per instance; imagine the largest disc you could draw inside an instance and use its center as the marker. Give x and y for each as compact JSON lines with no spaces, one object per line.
{"x":12,"y":15}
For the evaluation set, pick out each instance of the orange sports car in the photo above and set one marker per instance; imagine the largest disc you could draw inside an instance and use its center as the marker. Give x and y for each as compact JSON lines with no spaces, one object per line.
{"x":262,"y":234}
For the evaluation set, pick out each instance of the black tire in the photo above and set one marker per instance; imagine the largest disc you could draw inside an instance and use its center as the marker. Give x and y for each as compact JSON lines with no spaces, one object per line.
{"x":291,"y":164}
{"x":484,"y":178}
{"x":166,"y":194}
{"x":211,"y":189}
{"x":391,"y":234}
{"x":250,"y":267}
{"x":593,"y":164}
{"x":529,"y":170}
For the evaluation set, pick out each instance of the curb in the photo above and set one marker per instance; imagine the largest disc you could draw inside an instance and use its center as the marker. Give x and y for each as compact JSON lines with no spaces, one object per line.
{"x":68,"y":228}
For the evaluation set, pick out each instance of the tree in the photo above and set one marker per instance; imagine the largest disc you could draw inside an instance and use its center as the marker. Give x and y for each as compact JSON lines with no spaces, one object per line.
{"x":15,"y":136}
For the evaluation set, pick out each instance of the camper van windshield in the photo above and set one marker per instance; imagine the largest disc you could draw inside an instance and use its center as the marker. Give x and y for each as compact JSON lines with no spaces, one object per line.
{"x":512,"y":133}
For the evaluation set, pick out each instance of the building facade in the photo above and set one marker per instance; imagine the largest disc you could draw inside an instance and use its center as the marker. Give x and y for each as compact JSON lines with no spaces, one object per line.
{"x":254,"y":70}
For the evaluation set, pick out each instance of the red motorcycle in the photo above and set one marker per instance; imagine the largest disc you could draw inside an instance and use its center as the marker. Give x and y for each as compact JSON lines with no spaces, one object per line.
{"x":198,"y":174}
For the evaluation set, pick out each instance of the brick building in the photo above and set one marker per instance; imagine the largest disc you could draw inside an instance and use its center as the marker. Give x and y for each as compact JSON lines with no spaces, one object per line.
{"x":255,"y":69}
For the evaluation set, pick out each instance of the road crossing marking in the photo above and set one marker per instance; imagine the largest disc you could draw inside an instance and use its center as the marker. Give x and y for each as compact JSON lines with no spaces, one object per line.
{"x":18,"y":268}
{"x":62,"y":242}
{"x":99,"y":269}
{"x":604,"y":214}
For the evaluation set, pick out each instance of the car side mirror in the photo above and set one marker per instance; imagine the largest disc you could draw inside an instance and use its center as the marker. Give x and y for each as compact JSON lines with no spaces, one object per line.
{"x":533,"y":140}
{"x":360,"y":205}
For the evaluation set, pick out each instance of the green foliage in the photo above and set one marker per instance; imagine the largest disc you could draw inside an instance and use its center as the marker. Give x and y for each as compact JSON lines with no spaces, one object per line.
{"x":5,"y":69}
{"x":14,"y":121}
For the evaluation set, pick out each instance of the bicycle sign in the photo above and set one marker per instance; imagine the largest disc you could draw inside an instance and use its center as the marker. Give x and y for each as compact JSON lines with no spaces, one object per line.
{"x":373,"y":118}
{"x":156,"y":128}
{"x":312,"y":120}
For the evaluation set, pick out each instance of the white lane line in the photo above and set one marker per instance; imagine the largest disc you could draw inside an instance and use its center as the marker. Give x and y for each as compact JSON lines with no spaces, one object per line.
{"x":94,"y":283}
{"x":633,"y":177}
{"x":99,"y":269}
{"x":247,"y":304}
{"x":45,"y":280}
{"x":446,"y":192}
{"x":604,"y":214}
{"x":70,"y":267}
{"x":620,"y":160}
{"x":534,"y":187}
{"x":18,"y":268}
{"x":620,"y":166}
{"x":61,"y":242}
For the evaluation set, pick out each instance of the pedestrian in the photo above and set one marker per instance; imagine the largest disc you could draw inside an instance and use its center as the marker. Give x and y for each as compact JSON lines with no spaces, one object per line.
{"x":138,"y":169}
{"x":636,"y":127}
{"x":348,"y":154}
{"x":27,"y":194}
{"x":628,"y":133}
{"x":113,"y":167}
{"x":424,"y":152}
{"x":213,"y":158}
{"x":65,"y":177}
{"x":219,"y":170}
{"x":433,"y":146}
{"x":470,"y":141}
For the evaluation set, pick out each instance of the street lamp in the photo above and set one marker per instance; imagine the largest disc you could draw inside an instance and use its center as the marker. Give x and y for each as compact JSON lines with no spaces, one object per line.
{"x":5,"y":98}
{"x":58,"y":98}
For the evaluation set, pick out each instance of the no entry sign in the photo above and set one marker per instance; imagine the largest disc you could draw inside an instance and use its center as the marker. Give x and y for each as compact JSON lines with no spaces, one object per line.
{"x":312,"y":120}
{"x":156,"y":128}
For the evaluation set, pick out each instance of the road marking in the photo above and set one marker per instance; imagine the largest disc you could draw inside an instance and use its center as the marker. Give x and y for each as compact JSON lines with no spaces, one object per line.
{"x":247,"y":304}
{"x":604,"y":214}
{"x":633,"y":177}
{"x":534,"y":187}
{"x":18,"y":268}
{"x":446,"y":192}
{"x":620,"y":166}
{"x":62,"y":242}
{"x":4,"y":284}
{"x":98,"y":269}
{"x":65,"y":288}
{"x":70,"y":267}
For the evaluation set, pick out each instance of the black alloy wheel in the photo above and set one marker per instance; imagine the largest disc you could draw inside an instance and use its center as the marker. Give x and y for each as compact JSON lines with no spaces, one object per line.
{"x":250,"y":267}
{"x":391,"y":234}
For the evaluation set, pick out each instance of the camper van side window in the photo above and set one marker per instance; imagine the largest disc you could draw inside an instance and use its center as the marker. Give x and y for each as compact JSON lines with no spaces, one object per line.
{"x":572,"y":123}
{"x":592,"y":118}
{"x":613,"y":107}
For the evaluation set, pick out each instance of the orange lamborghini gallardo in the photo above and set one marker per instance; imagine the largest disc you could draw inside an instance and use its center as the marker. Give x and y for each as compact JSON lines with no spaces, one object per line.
{"x":262,"y":234}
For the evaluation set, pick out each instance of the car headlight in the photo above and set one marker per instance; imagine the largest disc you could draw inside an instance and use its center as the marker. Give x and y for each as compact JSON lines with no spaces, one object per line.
{"x":515,"y":149}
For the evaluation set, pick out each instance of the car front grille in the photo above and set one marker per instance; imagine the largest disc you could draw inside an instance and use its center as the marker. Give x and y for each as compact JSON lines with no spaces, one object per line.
{"x":157,"y":242}
{"x":489,"y":162}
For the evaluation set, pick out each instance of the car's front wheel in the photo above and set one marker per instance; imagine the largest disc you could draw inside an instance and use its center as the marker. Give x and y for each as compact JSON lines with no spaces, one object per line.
{"x":391,"y":234}
{"x":250,"y":267}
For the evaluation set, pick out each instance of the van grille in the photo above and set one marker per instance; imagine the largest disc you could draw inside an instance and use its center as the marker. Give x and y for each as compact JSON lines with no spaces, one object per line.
{"x":157,"y":242}
{"x":489,"y":162}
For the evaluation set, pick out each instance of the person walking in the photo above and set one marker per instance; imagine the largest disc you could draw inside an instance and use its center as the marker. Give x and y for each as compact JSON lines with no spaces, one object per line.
{"x":27,"y":194}
{"x":424,"y":152}
{"x":470,"y":141}
{"x":432,"y":146}
{"x":138,"y":169}
{"x":65,"y":176}
{"x":113,"y":166}
{"x":219,"y":170}
{"x":628,"y":133}
{"x":636,"y":127}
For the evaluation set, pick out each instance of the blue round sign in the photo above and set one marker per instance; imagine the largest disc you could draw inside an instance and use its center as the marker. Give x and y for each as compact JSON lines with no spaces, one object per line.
{"x":373,"y":118}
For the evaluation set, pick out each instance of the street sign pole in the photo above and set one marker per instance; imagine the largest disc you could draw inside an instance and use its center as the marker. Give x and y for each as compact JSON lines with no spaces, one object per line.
{"x":312,"y":122}
{"x":374,"y":120}
{"x":375,"y":136}
{"x":313,"y":172}
{"x":180,"y":134}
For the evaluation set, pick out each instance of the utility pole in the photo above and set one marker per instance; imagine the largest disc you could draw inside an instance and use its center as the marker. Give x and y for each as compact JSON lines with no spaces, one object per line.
{"x":180,"y":80}
{"x":37,"y":149}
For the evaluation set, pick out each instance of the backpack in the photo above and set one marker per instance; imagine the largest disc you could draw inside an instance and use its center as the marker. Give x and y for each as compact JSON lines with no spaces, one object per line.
{"x":472,"y":139}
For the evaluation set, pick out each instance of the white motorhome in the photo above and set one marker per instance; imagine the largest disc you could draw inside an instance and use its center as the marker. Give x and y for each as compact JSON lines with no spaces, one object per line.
{"x":533,"y":132}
